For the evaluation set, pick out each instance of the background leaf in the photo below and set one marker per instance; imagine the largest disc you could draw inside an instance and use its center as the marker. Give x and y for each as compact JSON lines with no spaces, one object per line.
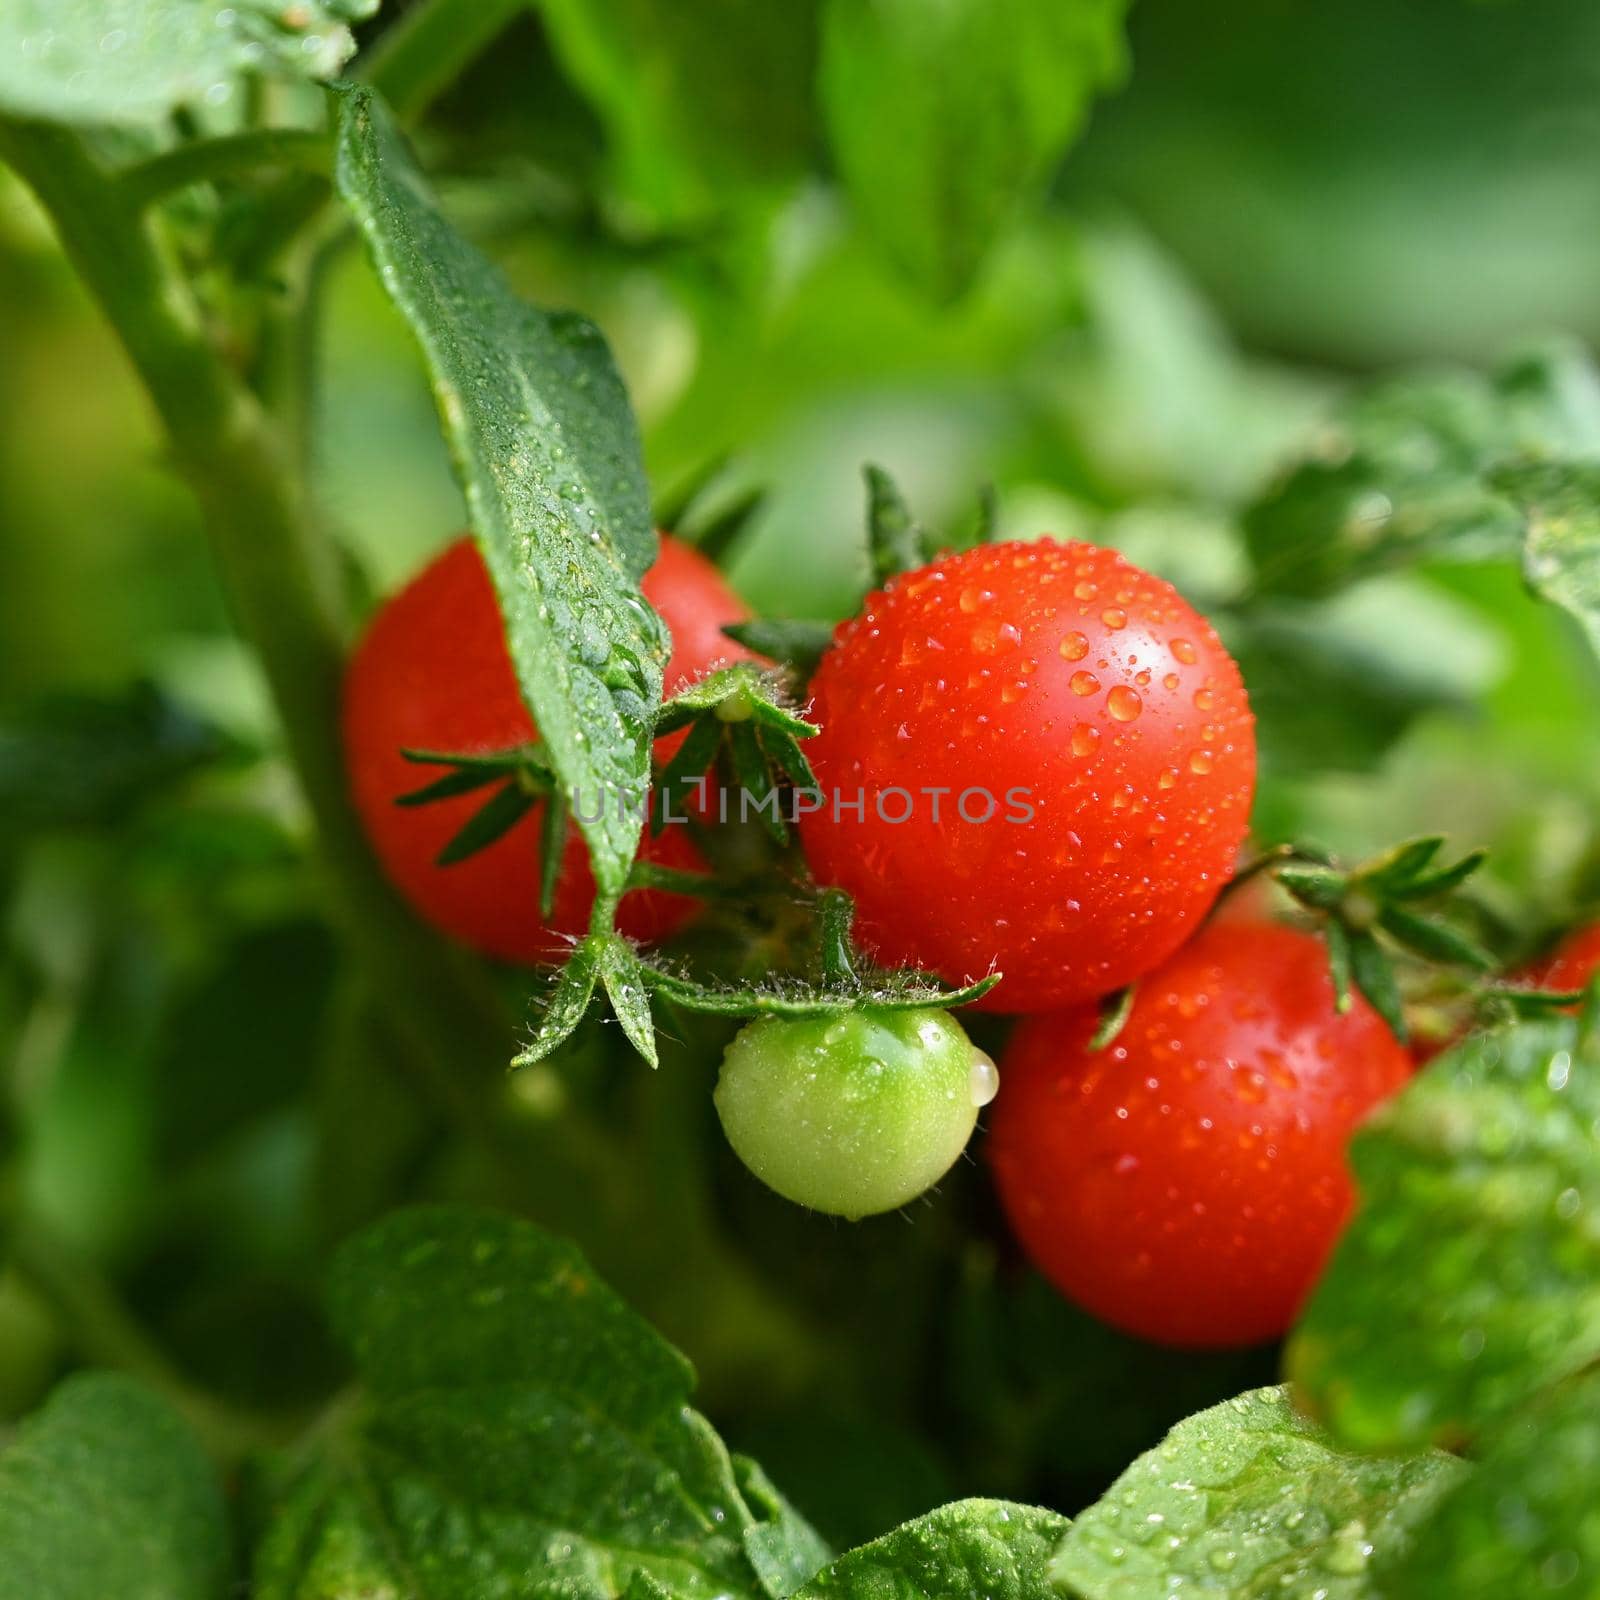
{"x":1244,"y":1502}
{"x":548,"y":456}
{"x":133,"y":61}
{"x":516,"y":1410}
{"x":1406,"y":472}
{"x":694,"y":97}
{"x":77,"y":759}
{"x":944,"y":118}
{"x":106,"y":1492}
{"x":1525,"y":1524}
{"x":973,"y":1547}
{"x":1561,"y":552}
{"x":1470,"y":1277}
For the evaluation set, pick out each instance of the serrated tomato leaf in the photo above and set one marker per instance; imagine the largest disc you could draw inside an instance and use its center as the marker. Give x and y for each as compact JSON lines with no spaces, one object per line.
{"x":972,"y":1547}
{"x":1469,"y":1278}
{"x":135,"y":61}
{"x":1249,"y":1501}
{"x":548,"y":455}
{"x":521,"y":1431}
{"x":105,"y":1491}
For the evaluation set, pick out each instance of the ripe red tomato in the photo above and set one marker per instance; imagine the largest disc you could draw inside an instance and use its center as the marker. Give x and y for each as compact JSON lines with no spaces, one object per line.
{"x":1056,"y":759}
{"x":1187,"y":1182}
{"x":1570,"y":965}
{"x":433,"y":673}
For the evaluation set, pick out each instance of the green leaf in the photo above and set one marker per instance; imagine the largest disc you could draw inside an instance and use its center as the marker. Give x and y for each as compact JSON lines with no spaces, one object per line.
{"x":1561,"y":549}
{"x":785,"y":1550}
{"x":1526,"y":1523}
{"x":135,"y":61}
{"x":944,"y":119}
{"x":990,"y":1548}
{"x":695,"y":98}
{"x":1409,"y":471}
{"x":568,"y":1003}
{"x":1470,"y":1276}
{"x":79,"y":760}
{"x":106,"y":1492}
{"x":626,"y":988}
{"x":548,"y":456}
{"x":521,"y":1432}
{"x":1249,"y":1501}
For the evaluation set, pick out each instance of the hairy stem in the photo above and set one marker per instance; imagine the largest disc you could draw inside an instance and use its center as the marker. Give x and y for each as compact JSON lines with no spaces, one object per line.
{"x":282,"y":578}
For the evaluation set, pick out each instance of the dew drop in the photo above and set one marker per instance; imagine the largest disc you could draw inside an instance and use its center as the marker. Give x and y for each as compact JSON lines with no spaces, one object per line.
{"x":1168,"y":778}
{"x":1086,"y":590}
{"x":1185,"y":652}
{"x":983,"y":1079}
{"x":1074,"y":647}
{"x":1200,"y":762}
{"x":1124,"y":703}
{"x":1114,"y":617}
{"x":1085,"y":739}
{"x":1085,"y":683}
{"x":1204,"y":700}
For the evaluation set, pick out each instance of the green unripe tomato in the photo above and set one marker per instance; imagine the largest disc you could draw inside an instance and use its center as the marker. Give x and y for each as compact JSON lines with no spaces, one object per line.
{"x":852,"y":1114}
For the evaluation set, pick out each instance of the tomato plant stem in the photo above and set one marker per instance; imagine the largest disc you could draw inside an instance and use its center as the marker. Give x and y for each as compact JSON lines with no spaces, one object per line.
{"x":281,"y":575}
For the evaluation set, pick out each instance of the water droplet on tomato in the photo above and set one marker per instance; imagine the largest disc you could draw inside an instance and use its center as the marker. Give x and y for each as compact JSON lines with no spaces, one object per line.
{"x":983,"y":1079}
{"x":1124,"y":703}
{"x":1074,"y":647}
{"x":1085,"y":683}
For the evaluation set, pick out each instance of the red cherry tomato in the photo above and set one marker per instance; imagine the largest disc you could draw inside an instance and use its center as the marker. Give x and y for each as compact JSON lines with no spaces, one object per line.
{"x":1187,"y":1182}
{"x":1056,"y":758}
{"x":1570,"y":965}
{"x":433,"y":673}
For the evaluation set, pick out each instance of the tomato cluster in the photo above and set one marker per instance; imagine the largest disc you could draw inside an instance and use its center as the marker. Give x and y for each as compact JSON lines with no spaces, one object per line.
{"x":1034,"y":759}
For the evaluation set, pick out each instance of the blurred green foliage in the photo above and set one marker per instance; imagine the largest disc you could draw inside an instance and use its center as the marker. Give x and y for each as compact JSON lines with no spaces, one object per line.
{"x":199,"y":1094}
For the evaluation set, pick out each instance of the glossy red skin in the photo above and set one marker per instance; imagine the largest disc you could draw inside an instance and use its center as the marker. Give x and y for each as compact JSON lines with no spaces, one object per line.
{"x":433,"y":673}
{"x":1570,"y":965}
{"x":968,"y":673}
{"x":1187,"y":1182}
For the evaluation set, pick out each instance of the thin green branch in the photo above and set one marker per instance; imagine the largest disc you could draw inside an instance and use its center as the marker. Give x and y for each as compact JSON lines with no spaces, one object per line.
{"x":147,"y":182}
